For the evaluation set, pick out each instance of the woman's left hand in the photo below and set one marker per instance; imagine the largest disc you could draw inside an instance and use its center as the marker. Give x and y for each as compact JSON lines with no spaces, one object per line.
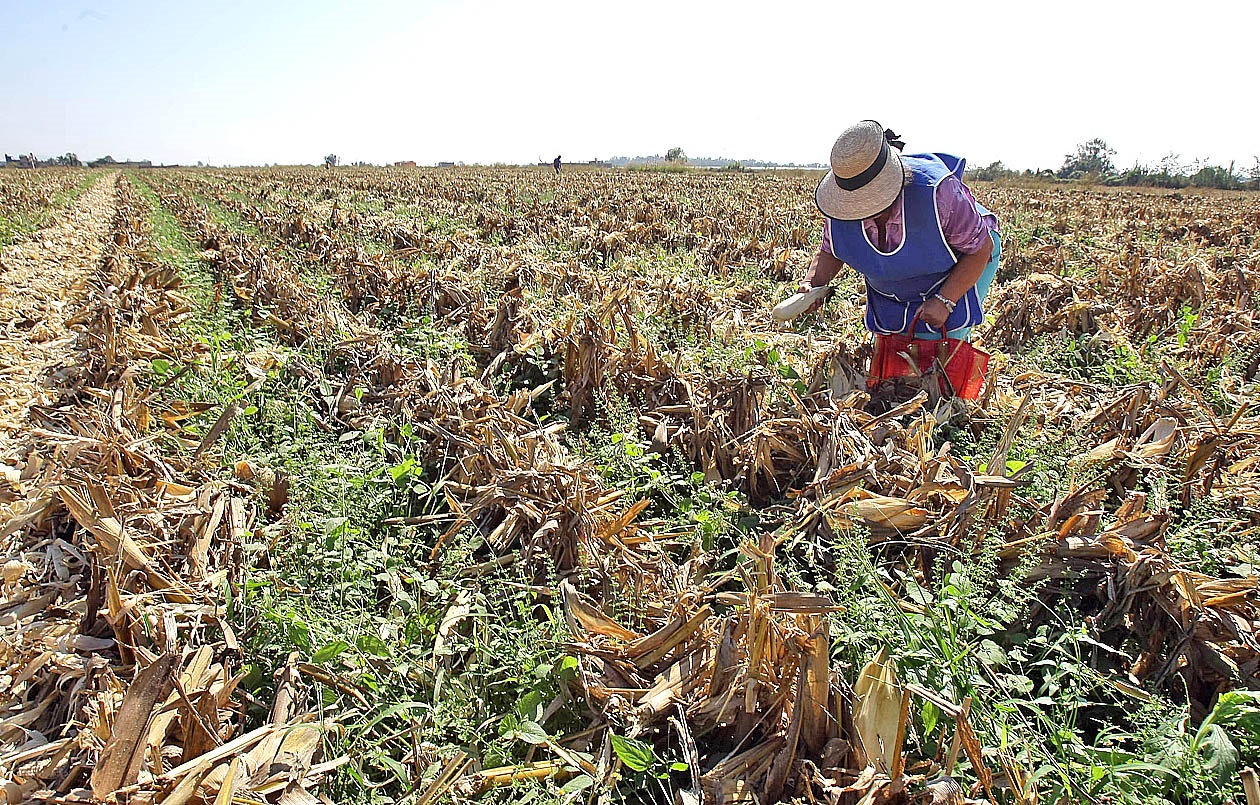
{"x":933,"y":312}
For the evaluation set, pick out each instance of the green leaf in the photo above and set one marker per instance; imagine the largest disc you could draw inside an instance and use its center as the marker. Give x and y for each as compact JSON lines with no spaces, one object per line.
{"x":400,"y":472}
{"x":389,"y":764}
{"x":635,"y":754}
{"x":991,"y":653}
{"x":531,"y":705}
{"x":930,"y":714}
{"x":369,"y":681}
{"x":330,"y":651}
{"x":161,"y":366}
{"x":253,"y":677}
{"x":1139,"y":765}
{"x":299,"y":632}
{"x":530,"y":732}
{"x":393,"y":710}
{"x":579,"y":783}
{"x":1219,"y":754}
{"x":371,"y":644}
{"x":1235,"y":706}
{"x":678,"y":766}
{"x":566,"y":669}
{"x":508,"y":724}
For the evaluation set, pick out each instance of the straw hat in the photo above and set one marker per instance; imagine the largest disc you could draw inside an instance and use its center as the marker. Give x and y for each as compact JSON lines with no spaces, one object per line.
{"x":865,"y":177}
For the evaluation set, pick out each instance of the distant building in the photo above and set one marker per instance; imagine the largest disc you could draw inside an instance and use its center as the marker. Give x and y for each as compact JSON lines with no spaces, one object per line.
{"x":406,"y":163}
{"x":446,"y":164}
{"x":21,"y":161}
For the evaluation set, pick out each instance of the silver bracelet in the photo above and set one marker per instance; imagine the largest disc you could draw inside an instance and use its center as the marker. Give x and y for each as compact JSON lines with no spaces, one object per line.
{"x":946,"y":302}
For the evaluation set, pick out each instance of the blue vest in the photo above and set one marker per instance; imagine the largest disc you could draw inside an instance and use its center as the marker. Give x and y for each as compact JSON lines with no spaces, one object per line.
{"x":898,"y":282}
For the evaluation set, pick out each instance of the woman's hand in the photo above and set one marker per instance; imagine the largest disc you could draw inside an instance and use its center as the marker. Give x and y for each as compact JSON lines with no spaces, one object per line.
{"x":962,"y":278}
{"x":933,"y":312}
{"x":805,"y":287}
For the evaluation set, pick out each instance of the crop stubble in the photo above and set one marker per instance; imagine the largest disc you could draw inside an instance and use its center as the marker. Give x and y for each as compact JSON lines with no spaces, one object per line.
{"x":135,"y":547}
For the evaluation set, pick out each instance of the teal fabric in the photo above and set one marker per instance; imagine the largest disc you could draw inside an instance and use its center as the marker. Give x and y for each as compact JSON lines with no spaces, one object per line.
{"x":982,"y":290}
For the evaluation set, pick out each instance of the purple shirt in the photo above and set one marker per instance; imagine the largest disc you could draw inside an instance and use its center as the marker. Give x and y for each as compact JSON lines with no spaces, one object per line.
{"x":965,"y":229}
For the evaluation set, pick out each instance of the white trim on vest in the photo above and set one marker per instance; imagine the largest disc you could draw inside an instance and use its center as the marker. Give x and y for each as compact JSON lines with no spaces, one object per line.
{"x":901,"y":200}
{"x":936,"y":210}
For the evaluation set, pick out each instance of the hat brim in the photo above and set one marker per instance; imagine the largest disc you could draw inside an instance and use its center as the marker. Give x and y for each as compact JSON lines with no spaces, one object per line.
{"x":872,"y":198}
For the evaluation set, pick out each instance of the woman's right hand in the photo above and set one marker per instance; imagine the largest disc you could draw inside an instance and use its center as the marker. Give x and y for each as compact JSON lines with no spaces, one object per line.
{"x":932,"y":312}
{"x":805,"y":287}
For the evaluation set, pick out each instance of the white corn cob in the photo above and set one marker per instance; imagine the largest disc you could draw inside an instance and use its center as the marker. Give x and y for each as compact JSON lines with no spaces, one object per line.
{"x":797,"y":304}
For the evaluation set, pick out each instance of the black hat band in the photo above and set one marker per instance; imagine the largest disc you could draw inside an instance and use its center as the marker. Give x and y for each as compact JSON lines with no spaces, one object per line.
{"x":864,"y":178}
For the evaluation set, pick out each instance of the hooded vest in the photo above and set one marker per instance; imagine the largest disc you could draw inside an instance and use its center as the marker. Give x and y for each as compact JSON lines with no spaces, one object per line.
{"x":898,"y":282}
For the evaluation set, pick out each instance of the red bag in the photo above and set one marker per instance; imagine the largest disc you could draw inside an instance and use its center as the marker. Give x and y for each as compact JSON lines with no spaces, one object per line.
{"x":964,"y":364}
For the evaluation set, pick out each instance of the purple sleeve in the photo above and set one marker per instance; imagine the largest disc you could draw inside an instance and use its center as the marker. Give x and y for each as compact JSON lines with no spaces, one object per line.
{"x":966,"y":230}
{"x":824,"y":267}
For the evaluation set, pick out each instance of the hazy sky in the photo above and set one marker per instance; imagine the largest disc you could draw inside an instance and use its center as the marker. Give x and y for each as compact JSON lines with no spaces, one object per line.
{"x":235,"y":82}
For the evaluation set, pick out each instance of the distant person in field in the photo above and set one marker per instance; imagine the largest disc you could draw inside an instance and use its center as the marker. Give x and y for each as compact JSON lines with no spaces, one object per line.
{"x":555,"y":163}
{"x":907,"y":223}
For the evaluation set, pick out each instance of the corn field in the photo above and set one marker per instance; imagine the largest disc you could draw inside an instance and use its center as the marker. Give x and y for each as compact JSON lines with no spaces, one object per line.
{"x":489,"y":485}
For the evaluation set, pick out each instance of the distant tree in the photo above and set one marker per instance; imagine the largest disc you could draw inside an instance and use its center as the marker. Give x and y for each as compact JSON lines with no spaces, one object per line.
{"x":69,"y":160}
{"x":1168,"y":172}
{"x":1170,"y":164}
{"x":105,"y":160}
{"x":1135,"y":176}
{"x":990,"y":173}
{"x":1214,"y":176}
{"x":675,"y":154}
{"x":1090,"y":157}
{"x":331,"y":161}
